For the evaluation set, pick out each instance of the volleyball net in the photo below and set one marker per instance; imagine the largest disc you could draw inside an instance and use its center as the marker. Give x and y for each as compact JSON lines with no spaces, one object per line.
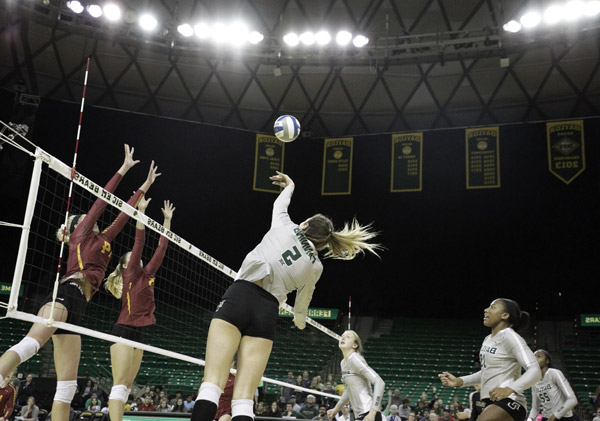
{"x":188,"y":285}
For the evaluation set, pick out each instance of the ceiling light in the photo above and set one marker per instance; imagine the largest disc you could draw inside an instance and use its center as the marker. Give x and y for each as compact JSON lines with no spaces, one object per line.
{"x":343,"y":37}
{"x":75,"y":6}
{"x":112,"y":12}
{"x":360,"y":41}
{"x":553,"y":14}
{"x":186,"y":30}
{"x":307,"y":38}
{"x":148,"y":22}
{"x":574,"y":10}
{"x":531,"y":19}
{"x":219,"y":32}
{"x":291,"y":39}
{"x":237,"y":33}
{"x":94,"y":10}
{"x":592,"y":8}
{"x":512,"y":26}
{"x":255,"y":37}
{"x":202,"y":30}
{"x":323,"y":37}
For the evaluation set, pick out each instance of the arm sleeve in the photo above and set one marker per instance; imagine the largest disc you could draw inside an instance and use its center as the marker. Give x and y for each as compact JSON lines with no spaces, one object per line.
{"x":567,"y":391}
{"x":138,"y":247}
{"x":280,"y":207}
{"x":471,"y":379}
{"x":535,"y":405}
{"x":115,"y":228}
{"x":361,"y":366}
{"x":519,"y":349}
{"x":86,"y":226}
{"x":303,"y":297}
{"x":342,"y":400}
{"x":159,"y":255}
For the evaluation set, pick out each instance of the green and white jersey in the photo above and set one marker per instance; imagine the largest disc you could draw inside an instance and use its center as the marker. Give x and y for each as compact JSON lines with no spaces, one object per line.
{"x":364,"y":388}
{"x":285,"y":260}
{"x":552,"y":395}
{"x":502,"y":356}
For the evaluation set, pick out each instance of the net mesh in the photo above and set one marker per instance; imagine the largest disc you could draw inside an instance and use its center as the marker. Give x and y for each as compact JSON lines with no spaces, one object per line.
{"x":187,"y":291}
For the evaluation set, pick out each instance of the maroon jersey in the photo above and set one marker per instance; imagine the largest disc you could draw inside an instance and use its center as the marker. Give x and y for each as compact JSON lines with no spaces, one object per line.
{"x":7,"y":400}
{"x":89,"y":253}
{"x":225,"y":399}
{"x":137,"y":304}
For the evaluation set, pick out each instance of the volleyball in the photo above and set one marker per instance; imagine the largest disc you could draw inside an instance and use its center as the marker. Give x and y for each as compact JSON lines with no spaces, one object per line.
{"x":286,"y":128}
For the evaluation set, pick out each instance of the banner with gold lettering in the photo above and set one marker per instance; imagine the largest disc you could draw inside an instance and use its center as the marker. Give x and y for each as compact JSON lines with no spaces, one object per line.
{"x":407,"y":162}
{"x":566,"y":149}
{"x":337,"y":166}
{"x":268,"y":159}
{"x":483,"y":157}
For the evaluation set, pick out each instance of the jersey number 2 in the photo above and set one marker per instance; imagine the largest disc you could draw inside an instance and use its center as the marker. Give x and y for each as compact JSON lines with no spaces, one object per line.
{"x":290,"y":256}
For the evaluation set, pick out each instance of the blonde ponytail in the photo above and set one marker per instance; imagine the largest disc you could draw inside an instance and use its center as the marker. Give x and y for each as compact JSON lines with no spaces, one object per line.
{"x":344,"y":244}
{"x":114,"y":282}
{"x":70,"y":227}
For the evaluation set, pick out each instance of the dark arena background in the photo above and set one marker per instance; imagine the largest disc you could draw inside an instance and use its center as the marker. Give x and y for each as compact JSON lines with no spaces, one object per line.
{"x":432,"y":67}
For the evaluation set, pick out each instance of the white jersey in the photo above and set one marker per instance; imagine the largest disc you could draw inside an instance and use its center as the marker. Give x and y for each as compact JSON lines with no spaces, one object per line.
{"x":358,"y":378}
{"x":553,"y":395}
{"x":502,"y":356}
{"x":285,"y":260}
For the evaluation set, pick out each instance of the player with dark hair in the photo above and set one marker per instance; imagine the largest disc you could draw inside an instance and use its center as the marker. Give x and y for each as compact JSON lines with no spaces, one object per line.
{"x":364,"y":388}
{"x":245,"y":320}
{"x":89,"y":253}
{"x":553,"y":393}
{"x":502,"y":355}
{"x":134,"y":284}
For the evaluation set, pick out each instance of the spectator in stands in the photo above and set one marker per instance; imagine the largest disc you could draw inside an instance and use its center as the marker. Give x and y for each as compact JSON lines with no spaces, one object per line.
{"x":27,"y":388}
{"x":597,"y":417}
{"x":78,"y":403}
{"x":433,"y":416}
{"x":404,"y":410}
{"x":148,"y":405}
{"x":286,"y":392}
{"x":87,"y":390}
{"x":314,"y":384}
{"x":164,"y":405}
{"x":8,"y":396}
{"x":274,"y":411}
{"x":425,"y":416}
{"x":595,"y":399}
{"x":437,"y":409}
{"x":94,"y":405}
{"x":457,"y":404}
{"x":322,"y":416}
{"x":179,"y":406}
{"x":295,"y":406}
{"x":344,"y":414}
{"x":320,"y":382}
{"x":306,"y":379}
{"x":329,"y":402}
{"x":447,"y":416}
{"x":310,"y":409}
{"x":189,"y":403}
{"x":260,"y":409}
{"x":453,"y":411}
{"x":412,"y":416}
{"x":300,"y":395}
{"x":30,"y":411}
{"x":290,"y":413}
{"x":393,"y":413}
{"x":100,"y":393}
{"x":394,"y":398}
{"x":420,"y":409}
{"x":178,"y":395}
{"x":94,"y":395}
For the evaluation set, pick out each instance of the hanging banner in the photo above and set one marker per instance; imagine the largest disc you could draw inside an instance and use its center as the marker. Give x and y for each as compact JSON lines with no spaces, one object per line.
{"x":337,"y":166}
{"x":483,"y":158}
{"x":590,"y":320}
{"x":314,"y":313}
{"x":5,"y":289}
{"x":566,"y":149}
{"x":407,"y":162}
{"x":268,"y":159}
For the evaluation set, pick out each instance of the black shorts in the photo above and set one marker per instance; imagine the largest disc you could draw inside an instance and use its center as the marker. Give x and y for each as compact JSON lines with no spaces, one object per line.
{"x":70,"y":295}
{"x":571,"y":418}
{"x":133,"y":333}
{"x":250,"y":308}
{"x":514,"y":408}
{"x":362,"y":416}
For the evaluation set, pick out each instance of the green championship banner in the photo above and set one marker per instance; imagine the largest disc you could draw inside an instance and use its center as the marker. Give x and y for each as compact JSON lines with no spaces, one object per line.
{"x":407,"y":162}
{"x":5,"y":289}
{"x":268,"y":159}
{"x":590,"y":320}
{"x":483,"y":158}
{"x":337,"y":166}
{"x":314,"y":313}
{"x":566,"y":149}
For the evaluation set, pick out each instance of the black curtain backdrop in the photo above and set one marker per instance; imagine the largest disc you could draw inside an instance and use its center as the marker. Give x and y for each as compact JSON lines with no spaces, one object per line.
{"x":450,"y":250}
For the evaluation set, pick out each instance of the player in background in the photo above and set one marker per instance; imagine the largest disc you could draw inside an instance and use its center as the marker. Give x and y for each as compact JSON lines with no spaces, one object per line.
{"x":502,"y":355}
{"x":553,"y":395}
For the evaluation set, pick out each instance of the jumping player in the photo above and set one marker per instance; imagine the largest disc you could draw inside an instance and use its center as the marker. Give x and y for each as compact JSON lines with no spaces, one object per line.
{"x":553,"y":392}
{"x":244,"y":323}
{"x":89,"y":253}
{"x":502,"y":355}
{"x":135,"y":285}
{"x":364,"y":388}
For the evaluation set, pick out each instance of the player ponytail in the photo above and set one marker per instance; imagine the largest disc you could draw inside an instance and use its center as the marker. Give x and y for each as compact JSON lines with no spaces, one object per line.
{"x":114,"y":282}
{"x":344,"y":244}
{"x":516,"y":318}
{"x":71,"y":222}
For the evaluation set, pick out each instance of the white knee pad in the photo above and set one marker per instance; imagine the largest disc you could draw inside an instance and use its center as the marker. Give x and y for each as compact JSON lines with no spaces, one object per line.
{"x":243,"y":407}
{"x":27,"y":348}
{"x":119,"y":393}
{"x":65,"y":390}
{"x":209,"y":392}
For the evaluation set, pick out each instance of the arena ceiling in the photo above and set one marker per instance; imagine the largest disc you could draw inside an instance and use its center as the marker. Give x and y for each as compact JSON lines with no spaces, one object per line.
{"x":429,"y":64}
